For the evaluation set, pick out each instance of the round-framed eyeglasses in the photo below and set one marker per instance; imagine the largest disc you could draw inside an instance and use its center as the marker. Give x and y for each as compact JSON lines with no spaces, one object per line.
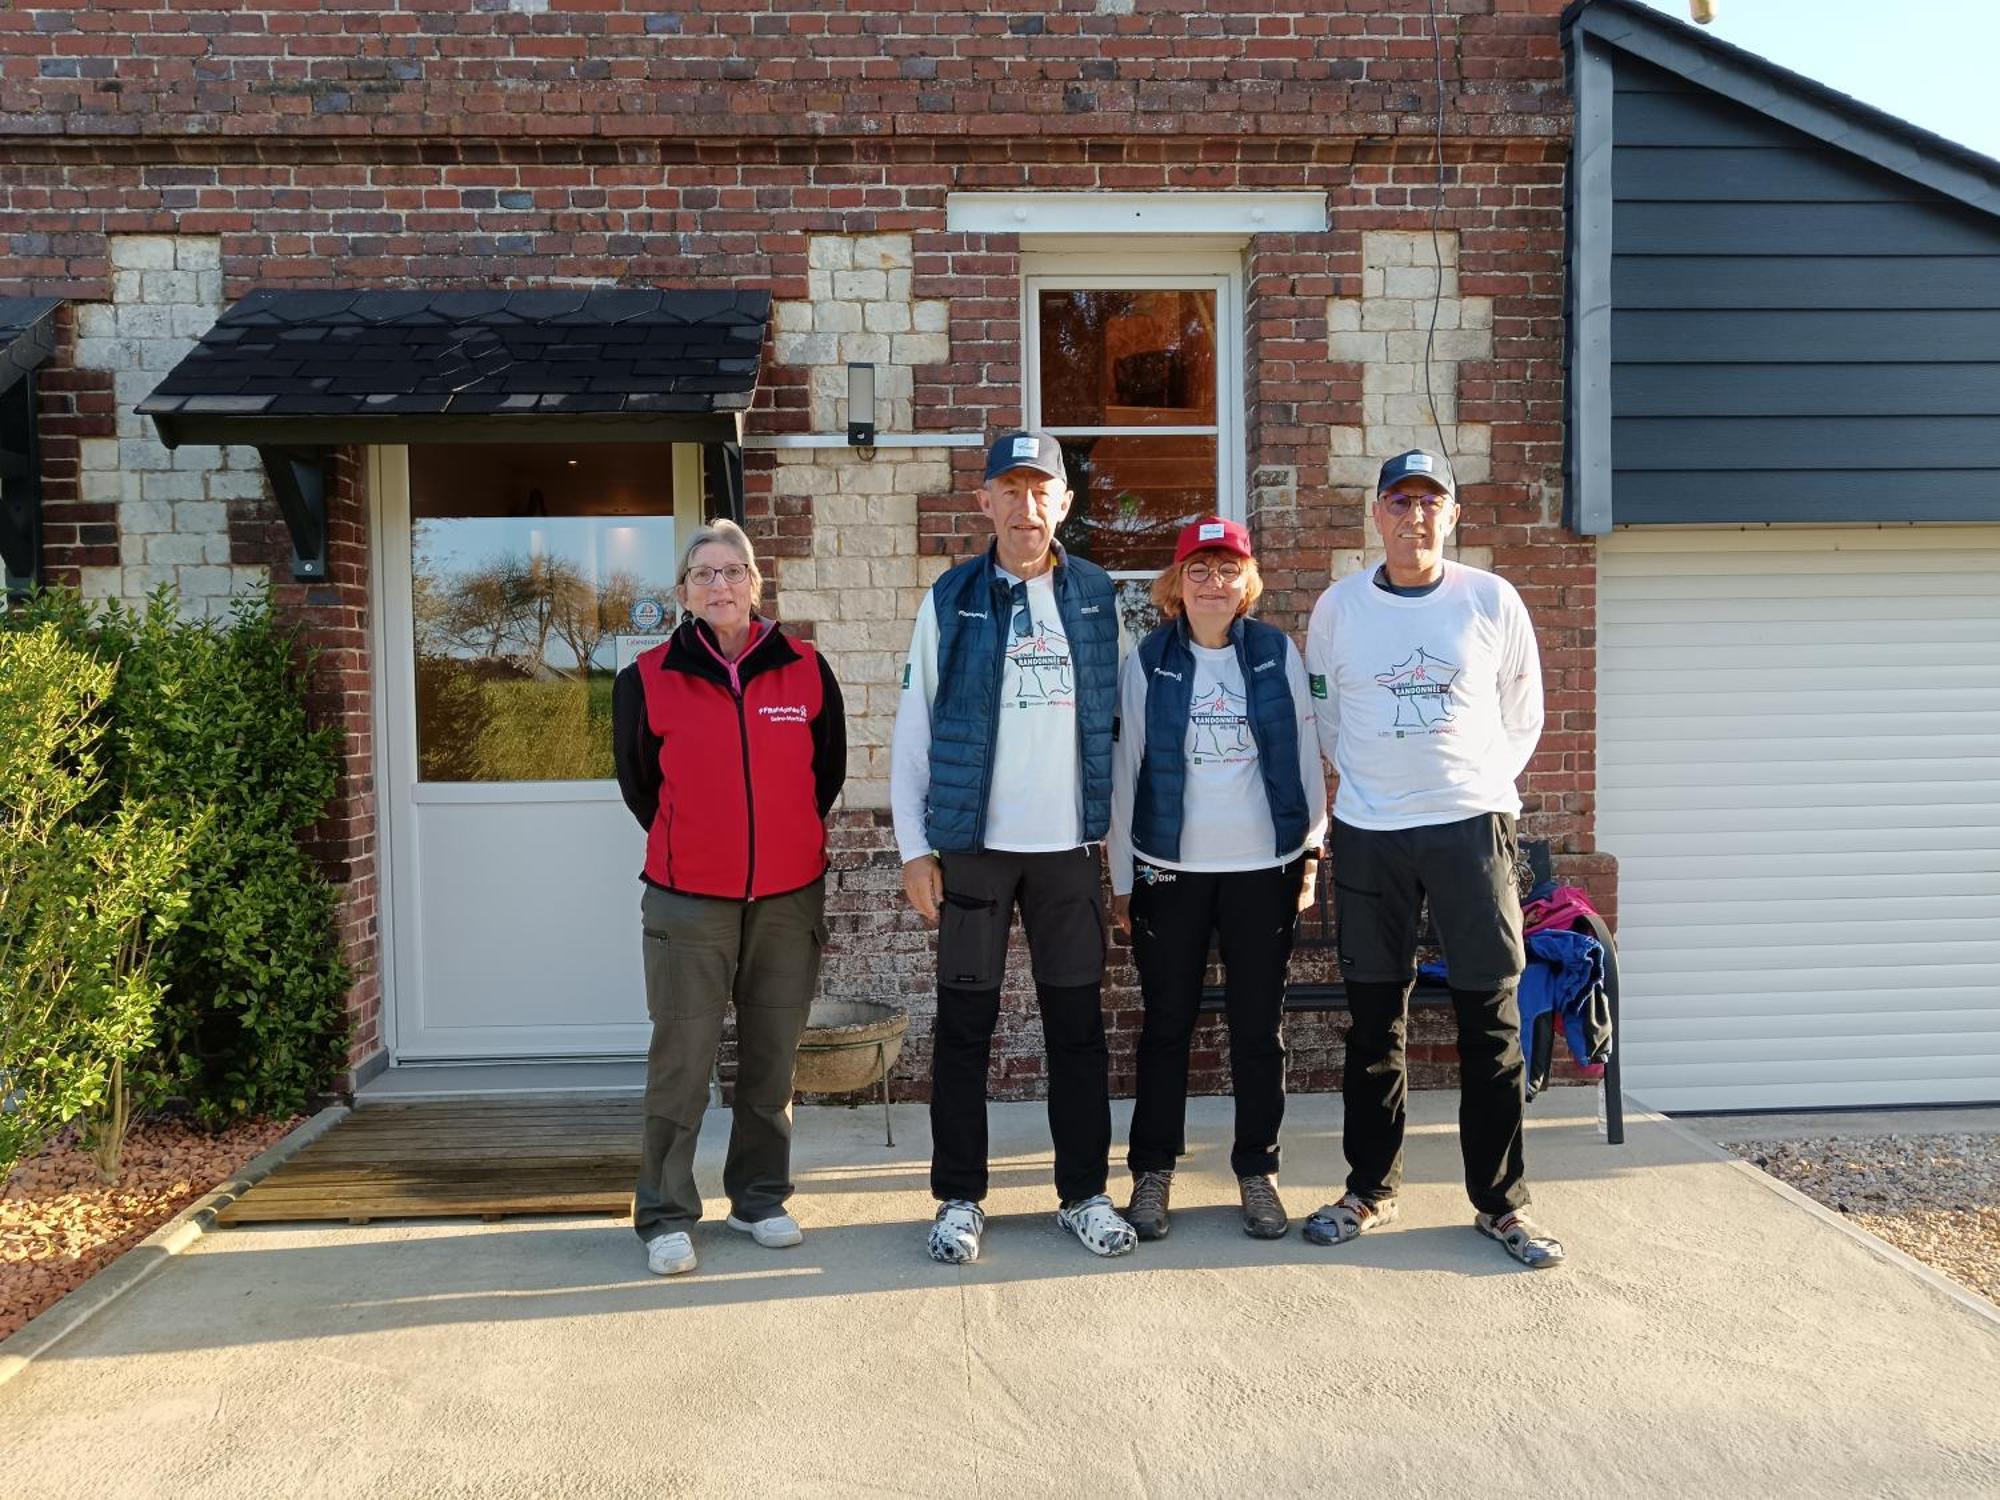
{"x":1201,"y":572}
{"x":1402,"y":505}
{"x":733,"y":573}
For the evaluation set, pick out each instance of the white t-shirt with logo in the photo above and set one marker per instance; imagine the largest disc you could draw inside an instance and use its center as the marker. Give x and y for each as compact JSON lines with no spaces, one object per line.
{"x":1034,"y":804}
{"x":1428,"y":706}
{"x":1225,"y":813}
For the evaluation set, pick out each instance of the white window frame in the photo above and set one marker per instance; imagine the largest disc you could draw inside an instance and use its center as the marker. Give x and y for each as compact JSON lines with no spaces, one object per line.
{"x":1124,"y":266}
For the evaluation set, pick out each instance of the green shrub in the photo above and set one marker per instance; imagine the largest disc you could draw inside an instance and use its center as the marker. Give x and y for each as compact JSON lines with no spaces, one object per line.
{"x":210,"y":728}
{"x":83,"y":891}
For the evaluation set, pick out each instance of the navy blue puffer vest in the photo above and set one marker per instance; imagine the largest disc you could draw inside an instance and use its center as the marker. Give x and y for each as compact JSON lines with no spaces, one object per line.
{"x":1274,"y":725}
{"x":973,"y":620}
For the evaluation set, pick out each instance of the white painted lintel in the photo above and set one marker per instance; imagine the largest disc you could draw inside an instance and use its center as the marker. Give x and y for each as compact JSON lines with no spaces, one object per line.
{"x":1136,"y":213}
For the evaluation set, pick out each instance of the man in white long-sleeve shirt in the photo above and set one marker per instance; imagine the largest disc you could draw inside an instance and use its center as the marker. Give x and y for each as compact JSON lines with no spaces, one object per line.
{"x":1428,"y":693}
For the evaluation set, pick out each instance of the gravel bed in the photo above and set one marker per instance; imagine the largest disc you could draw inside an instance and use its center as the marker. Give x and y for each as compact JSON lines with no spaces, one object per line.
{"x":1934,"y":1197}
{"x":60,"y":1225}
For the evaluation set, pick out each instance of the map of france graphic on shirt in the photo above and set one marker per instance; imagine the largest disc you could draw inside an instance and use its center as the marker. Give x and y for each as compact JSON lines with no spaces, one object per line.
{"x":1421,"y":684}
{"x":1039,"y":673}
{"x":1221,"y":724}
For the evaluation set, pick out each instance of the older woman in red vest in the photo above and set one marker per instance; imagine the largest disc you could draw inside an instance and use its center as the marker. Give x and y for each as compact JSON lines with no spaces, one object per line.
{"x":731,"y":745}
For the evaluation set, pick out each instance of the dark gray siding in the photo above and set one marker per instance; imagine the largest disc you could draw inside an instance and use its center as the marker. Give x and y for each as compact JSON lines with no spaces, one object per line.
{"x":1795,"y":334}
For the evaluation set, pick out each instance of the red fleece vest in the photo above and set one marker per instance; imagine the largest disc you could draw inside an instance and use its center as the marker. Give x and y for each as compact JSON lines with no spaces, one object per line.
{"x":739,"y":813}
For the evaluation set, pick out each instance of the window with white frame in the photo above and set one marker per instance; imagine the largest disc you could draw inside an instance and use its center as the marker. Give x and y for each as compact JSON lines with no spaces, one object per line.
{"x":1138,"y":375}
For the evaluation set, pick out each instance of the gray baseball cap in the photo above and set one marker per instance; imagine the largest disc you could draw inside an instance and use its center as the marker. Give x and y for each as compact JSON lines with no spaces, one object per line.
{"x":1026,"y":448}
{"x":1418,"y":463}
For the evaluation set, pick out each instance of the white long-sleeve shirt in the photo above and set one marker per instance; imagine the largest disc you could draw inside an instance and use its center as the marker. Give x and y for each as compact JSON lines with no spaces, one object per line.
{"x":1225,"y":814}
{"x":1428,"y":706}
{"x":1035,"y":803}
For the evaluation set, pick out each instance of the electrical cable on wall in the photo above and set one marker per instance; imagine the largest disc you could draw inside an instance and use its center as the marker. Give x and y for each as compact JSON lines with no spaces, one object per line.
{"x":1437,"y":260}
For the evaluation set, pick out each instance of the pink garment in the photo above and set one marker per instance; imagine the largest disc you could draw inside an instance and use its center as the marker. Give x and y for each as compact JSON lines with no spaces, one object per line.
{"x":1560,"y":909}
{"x":758,"y":626}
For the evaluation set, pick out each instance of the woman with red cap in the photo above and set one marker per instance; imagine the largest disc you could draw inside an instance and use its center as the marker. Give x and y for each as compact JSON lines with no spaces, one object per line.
{"x":1217,"y":798}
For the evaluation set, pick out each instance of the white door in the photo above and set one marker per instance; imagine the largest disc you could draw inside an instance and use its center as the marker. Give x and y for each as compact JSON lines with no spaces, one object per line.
{"x":514,"y":581}
{"x":1799,"y":773}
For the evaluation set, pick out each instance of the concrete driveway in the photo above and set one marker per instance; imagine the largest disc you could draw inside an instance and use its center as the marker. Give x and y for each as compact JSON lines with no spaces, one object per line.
{"x":1710,"y":1337}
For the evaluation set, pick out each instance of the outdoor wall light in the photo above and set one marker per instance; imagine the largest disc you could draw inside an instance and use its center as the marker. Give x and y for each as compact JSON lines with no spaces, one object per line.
{"x":861,"y":407}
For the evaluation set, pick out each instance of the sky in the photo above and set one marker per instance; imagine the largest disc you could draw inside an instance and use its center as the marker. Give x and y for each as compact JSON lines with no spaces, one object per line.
{"x":1930,"y":62}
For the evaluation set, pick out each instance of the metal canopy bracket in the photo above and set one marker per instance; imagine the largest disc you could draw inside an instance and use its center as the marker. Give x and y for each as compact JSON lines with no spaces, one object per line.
{"x":299,"y":479}
{"x":20,"y":487}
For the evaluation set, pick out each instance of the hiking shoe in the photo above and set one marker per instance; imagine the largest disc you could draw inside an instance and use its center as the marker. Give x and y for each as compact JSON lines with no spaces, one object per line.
{"x":669,"y":1254}
{"x":1264,"y":1216}
{"x":1529,"y":1243}
{"x":1352,"y":1216}
{"x":1096,"y":1223}
{"x":956,"y":1230}
{"x":1147,"y":1212}
{"x":774,"y":1233}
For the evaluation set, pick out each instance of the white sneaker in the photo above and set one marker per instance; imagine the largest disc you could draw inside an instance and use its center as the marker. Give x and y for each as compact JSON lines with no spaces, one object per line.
{"x":955,"y":1234}
{"x":1097,"y":1224}
{"x":774,"y":1233}
{"x":669,"y":1254}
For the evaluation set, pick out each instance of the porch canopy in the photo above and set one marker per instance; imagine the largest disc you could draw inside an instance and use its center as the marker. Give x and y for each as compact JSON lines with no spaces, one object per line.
{"x":297,"y":374}
{"x":27,"y":339}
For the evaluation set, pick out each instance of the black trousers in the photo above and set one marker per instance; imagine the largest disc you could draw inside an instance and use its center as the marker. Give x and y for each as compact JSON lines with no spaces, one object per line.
{"x":1253,"y":916}
{"x":1381,"y":879}
{"x":1060,"y":896}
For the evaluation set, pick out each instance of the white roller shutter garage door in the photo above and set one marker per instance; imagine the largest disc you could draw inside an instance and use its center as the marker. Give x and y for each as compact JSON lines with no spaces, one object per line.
{"x":1799,"y":774}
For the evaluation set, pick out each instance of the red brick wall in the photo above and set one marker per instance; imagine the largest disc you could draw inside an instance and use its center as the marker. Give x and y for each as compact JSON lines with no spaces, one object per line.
{"x":457,"y":144}
{"x":72,"y":405}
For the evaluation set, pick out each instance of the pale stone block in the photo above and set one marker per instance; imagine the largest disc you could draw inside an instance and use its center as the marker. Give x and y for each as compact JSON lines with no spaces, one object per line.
{"x":1388,"y":313}
{"x":930,"y":317}
{"x":837,"y":317}
{"x":201,"y":515}
{"x":1476,"y":312}
{"x":872,"y":794}
{"x":215,"y":547}
{"x":99,"y":485}
{"x":172,"y":486}
{"x":1358,"y":471}
{"x":109,"y":354}
{"x":173,"y":547}
{"x":927,"y":476}
{"x":931,"y":569}
{"x":829,"y":252}
{"x":868,"y":479}
{"x":792,"y":317}
{"x":244,"y":577}
{"x":98,"y":453}
{"x":806,"y":348}
{"x":240,"y":456}
{"x":1418,"y":282}
{"x":883,"y":252}
{"x":883,"y":667}
{"x":169,"y":286}
{"x":819,"y":286}
{"x":867,"y":729}
{"x":1476,"y":557}
{"x":197,"y":252}
{"x":130,"y":387}
{"x":236,"y":484}
{"x":101,"y":583}
{"x":205,"y":581}
{"x":886,"y":317}
{"x":812,"y":604}
{"x":895,"y":383}
{"x":141,"y":581}
{"x":1447,"y":314}
{"x":1415,"y":411}
{"x":870,"y":604}
{"x":860,"y":286}
{"x":1389,"y":380}
{"x":1343,"y":315}
{"x":127,"y":286}
{"x":1373,"y":410}
{"x":1345,"y":442}
{"x":921,"y":348}
{"x":128,"y":487}
{"x":142,"y":252}
{"x":192,"y":320}
{"x":142,"y":517}
{"x":893,"y":510}
{"x":96,"y":320}
{"x":897,"y":285}
{"x":1359,"y":347}
{"x":837,"y":636}
{"x":843,"y":573}
{"x":870,"y":348}
{"x":208,"y":288}
{"x":1384,"y":247}
{"x":1372,"y":281}
{"x":137,"y":455}
{"x":834,"y":514}
{"x":892,"y":572}
{"x":1475,"y":437}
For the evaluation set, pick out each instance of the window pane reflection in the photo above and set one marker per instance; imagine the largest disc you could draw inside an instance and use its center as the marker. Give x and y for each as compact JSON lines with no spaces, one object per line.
{"x":537,"y":571}
{"x":1133,"y":496}
{"x":1112,"y":358}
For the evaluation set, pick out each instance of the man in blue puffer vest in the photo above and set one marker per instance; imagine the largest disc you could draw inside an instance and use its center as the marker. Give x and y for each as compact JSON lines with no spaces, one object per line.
{"x":1001,"y":785}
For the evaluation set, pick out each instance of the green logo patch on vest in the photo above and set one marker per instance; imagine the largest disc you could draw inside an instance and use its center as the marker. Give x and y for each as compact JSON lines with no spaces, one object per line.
{"x":1317,"y":682}
{"x":906,"y":677}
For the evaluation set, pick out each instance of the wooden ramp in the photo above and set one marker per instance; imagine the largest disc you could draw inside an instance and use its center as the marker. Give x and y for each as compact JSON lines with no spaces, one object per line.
{"x":575,"y":1154}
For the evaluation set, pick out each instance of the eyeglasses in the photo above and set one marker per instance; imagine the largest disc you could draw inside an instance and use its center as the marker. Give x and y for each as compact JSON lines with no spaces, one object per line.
{"x":1024,"y":618}
{"x":734,"y":573}
{"x":1201,"y":572}
{"x":1402,"y":505}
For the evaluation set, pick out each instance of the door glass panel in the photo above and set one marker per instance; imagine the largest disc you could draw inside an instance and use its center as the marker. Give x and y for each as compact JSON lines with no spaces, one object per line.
{"x":1133,"y":496}
{"x":1115,"y":357}
{"x":537,"y":571}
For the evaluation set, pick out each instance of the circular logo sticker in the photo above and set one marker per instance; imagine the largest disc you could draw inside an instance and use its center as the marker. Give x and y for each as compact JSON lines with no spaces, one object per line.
{"x":647,"y":614}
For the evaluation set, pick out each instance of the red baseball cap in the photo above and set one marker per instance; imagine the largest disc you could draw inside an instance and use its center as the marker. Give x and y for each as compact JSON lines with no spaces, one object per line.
{"x":1198,"y":536}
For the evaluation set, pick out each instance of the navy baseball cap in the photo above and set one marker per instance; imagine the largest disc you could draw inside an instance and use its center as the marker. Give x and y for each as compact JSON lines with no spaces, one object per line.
{"x":1416,"y":464}
{"x":1025,"y":449}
